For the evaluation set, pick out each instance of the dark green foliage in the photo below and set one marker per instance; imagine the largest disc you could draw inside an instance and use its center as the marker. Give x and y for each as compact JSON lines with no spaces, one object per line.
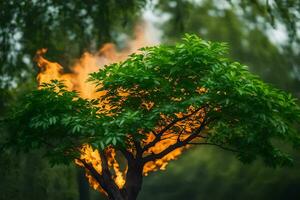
{"x":53,"y":118}
{"x":27,"y":176}
{"x":246,"y":114}
{"x":243,"y":114}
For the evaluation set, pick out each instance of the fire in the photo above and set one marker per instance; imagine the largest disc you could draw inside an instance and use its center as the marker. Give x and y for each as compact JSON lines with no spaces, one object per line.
{"x":161,"y":163}
{"x":92,"y":156}
{"x":49,"y":70}
{"x":170,"y":138}
{"x":77,"y":80}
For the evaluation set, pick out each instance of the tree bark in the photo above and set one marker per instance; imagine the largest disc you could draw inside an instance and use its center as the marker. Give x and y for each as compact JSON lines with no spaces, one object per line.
{"x":83,"y":185}
{"x":133,"y":185}
{"x":134,"y":180}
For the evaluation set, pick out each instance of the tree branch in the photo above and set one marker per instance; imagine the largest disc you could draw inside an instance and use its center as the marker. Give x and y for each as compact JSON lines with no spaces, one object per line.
{"x":139,"y":150}
{"x":108,"y":180}
{"x":178,"y":144}
{"x":159,"y":135}
{"x":179,"y":135}
{"x":129,"y":156}
{"x":97,"y":176}
{"x":214,"y":144}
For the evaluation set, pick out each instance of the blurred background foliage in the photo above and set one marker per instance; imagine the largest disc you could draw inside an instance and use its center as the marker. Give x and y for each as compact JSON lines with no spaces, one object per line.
{"x":68,"y":28}
{"x":261,"y":34}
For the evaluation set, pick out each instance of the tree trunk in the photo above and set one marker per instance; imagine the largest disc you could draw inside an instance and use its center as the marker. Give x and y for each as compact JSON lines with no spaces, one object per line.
{"x":132,"y":187}
{"x":83,"y":185}
{"x":134,"y":181}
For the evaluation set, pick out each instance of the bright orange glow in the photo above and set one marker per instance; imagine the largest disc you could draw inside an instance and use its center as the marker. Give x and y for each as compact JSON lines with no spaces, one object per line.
{"x":77,"y":80}
{"x":170,"y":137}
{"x":91,"y":156}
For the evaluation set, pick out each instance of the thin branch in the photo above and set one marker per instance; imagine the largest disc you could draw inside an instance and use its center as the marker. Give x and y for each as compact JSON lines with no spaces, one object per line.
{"x":107,"y":177}
{"x":178,"y":144}
{"x":214,"y":144}
{"x":128,"y":155}
{"x":202,"y":136}
{"x":179,"y":135}
{"x":97,"y":176}
{"x":169,"y":137}
{"x":159,"y":135}
{"x":137,"y":146}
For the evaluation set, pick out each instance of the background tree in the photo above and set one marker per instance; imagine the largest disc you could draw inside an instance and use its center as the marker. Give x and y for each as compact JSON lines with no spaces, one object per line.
{"x":258,"y":13}
{"x":246,"y":28}
{"x":188,"y":94}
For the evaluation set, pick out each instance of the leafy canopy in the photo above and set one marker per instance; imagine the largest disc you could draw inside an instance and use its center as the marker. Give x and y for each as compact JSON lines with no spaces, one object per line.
{"x":242,"y":113}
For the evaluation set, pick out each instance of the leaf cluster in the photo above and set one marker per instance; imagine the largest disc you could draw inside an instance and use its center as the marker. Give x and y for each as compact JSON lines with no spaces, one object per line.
{"x":54,"y":119}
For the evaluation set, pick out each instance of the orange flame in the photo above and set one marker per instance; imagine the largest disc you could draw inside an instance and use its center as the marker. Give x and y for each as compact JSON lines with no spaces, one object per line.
{"x":77,"y":80}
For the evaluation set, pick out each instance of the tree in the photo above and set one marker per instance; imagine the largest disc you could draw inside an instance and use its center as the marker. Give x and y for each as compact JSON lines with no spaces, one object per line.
{"x":259,"y":13}
{"x":152,"y":107}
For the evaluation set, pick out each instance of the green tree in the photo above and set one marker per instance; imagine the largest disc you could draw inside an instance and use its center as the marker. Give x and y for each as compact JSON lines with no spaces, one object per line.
{"x":190,"y":93}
